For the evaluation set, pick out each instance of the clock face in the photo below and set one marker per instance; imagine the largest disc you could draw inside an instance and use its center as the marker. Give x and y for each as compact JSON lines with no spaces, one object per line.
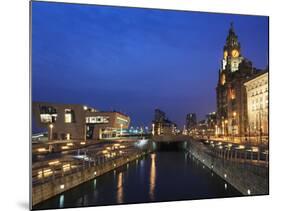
{"x":225,"y":54}
{"x":235,"y":53}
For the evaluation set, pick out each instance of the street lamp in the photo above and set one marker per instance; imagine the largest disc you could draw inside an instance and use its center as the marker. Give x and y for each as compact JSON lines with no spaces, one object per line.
{"x":233,"y":115}
{"x":121,"y":129}
{"x":226,"y":128}
{"x":153,"y":129}
{"x":51,"y":131}
{"x":216,"y":131}
{"x":258,"y":127}
{"x":260,"y":124}
{"x":85,"y":132}
{"x":223,"y":129}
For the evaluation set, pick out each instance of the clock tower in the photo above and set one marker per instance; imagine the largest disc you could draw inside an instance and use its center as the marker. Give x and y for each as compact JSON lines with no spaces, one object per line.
{"x":231,"y":51}
{"x":231,"y":94}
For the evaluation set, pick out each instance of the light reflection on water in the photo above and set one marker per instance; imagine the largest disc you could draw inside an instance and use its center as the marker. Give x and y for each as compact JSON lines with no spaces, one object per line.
{"x":61,"y":203}
{"x":152,"y":180}
{"x":95,"y":183}
{"x":120,"y":188}
{"x":179,"y":176}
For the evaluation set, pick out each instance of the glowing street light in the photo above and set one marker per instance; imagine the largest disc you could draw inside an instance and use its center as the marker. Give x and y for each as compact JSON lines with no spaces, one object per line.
{"x":41,"y":149}
{"x":233,"y":129}
{"x":226,"y":128}
{"x":51,"y":131}
{"x":153,"y":129}
{"x":121,"y":127}
{"x":216,"y":130}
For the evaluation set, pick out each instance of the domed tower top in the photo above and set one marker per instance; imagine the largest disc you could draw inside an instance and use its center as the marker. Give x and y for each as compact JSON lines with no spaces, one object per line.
{"x":231,"y":52}
{"x":231,"y":40}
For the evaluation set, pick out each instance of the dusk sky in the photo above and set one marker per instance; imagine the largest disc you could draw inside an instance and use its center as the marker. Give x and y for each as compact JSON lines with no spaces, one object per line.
{"x":135,"y":60}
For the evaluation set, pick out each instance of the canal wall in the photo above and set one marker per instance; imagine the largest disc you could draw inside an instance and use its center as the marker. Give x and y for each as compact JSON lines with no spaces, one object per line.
{"x":169,"y":138}
{"x":247,"y":178}
{"x":42,"y":192}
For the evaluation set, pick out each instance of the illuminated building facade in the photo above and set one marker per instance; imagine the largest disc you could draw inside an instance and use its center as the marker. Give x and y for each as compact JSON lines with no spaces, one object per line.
{"x":78,"y":122}
{"x":211,"y":123}
{"x":231,"y":92}
{"x":257,"y":98}
{"x":191,"y":121}
{"x":162,"y":125}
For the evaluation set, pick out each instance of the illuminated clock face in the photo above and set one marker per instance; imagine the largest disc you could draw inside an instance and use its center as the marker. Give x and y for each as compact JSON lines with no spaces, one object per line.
{"x":224,"y":54}
{"x":235,"y":53}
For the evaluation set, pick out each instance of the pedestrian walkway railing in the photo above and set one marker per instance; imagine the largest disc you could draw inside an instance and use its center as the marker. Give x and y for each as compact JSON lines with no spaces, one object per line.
{"x":246,"y":154}
{"x":45,"y":171}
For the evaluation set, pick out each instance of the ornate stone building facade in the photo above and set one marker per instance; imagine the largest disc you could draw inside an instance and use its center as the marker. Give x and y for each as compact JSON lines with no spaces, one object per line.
{"x":230,"y":90}
{"x":257,"y":98}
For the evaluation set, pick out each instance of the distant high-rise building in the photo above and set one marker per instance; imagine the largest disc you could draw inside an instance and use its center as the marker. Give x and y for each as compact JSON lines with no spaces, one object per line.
{"x":191,"y":120}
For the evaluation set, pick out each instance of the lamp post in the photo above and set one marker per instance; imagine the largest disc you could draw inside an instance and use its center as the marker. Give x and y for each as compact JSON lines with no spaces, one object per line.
{"x":85,"y":132}
{"x":260,"y":125}
{"x":223,"y":129}
{"x":233,"y":119}
{"x":226,"y":128}
{"x":153,"y":129}
{"x":249,"y":133}
{"x":121,"y":129}
{"x":216,"y":130}
{"x":85,"y":127}
{"x":51,"y":132}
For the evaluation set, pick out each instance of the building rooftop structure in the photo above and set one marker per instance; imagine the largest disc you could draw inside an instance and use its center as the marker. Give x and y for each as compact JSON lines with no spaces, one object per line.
{"x":79,"y":122}
{"x":161,"y":125}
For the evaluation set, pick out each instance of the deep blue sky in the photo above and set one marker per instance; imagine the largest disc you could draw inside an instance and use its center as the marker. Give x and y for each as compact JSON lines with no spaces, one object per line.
{"x":135,"y":60}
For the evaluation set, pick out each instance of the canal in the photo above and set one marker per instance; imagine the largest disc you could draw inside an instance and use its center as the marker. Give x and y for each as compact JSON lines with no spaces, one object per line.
{"x":160,"y":176}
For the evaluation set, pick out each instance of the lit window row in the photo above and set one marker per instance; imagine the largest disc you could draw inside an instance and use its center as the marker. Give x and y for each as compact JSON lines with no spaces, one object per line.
{"x":97,"y":119}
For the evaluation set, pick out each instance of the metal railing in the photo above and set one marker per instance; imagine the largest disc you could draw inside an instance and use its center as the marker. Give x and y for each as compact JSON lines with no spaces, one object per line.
{"x":46,"y":171}
{"x":249,"y":154}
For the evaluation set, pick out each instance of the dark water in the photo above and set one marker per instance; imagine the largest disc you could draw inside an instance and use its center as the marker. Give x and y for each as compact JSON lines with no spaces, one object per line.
{"x":162,"y":176}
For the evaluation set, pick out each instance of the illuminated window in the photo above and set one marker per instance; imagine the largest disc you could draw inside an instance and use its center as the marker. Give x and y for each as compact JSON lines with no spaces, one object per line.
{"x":48,"y":114}
{"x":97,"y":119}
{"x":68,"y":115}
{"x":45,"y":118}
{"x":122,"y":121}
{"x":222,"y":79}
{"x":232,"y":94}
{"x":67,"y":118}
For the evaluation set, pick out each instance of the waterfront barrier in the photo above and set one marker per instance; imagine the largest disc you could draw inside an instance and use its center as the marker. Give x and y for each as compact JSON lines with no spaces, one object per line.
{"x":249,"y":178}
{"x":55,"y":186}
